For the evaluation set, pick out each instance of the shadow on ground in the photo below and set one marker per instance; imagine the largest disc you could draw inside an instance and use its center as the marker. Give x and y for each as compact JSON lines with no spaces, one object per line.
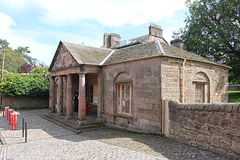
{"x":144,"y":143}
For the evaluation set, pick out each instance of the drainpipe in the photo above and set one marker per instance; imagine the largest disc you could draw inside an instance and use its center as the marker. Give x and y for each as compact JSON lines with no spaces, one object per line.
{"x":183,"y":66}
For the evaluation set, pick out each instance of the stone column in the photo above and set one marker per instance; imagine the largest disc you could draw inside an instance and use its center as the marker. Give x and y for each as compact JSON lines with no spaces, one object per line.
{"x":64,"y":94}
{"x":69,"y":110}
{"x":82,"y":97}
{"x":52,"y":94}
{"x":60,"y":95}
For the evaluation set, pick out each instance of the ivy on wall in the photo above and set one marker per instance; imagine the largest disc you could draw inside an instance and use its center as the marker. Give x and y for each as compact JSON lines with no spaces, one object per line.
{"x":34,"y":84}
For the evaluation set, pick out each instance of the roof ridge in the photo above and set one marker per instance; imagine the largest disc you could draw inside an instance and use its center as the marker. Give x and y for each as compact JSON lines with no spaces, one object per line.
{"x":139,"y":44}
{"x":86,"y":45}
{"x":161,"y":51}
{"x":105,"y":59}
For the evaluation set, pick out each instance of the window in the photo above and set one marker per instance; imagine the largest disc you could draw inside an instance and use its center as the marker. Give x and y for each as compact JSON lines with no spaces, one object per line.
{"x":124,"y":98}
{"x":199,"y":93}
{"x":201,"y":86}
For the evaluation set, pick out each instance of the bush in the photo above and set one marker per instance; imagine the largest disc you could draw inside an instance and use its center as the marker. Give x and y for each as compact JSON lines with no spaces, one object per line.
{"x":234,"y":96}
{"x":31,"y":84}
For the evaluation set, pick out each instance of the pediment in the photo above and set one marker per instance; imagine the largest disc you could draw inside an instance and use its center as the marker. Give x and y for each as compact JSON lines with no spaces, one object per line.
{"x":62,"y":59}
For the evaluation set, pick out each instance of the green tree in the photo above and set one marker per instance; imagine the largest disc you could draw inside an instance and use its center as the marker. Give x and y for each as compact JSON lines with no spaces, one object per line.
{"x":212,"y":31}
{"x":23,"y":52}
{"x":14,"y":59}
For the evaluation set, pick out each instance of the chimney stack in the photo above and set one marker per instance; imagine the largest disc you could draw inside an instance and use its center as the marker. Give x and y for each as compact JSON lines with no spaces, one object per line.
{"x":111,"y":40}
{"x":155,"y":30}
{"x":177,"y":42}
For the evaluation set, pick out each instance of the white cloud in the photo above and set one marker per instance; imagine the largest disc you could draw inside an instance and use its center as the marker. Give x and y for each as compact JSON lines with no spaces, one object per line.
{"x":16,"y":4}
{"x":109,"y":13}
{"x":43,"y":52}
{"x":6,"y":22}
{"x":62,"y":12}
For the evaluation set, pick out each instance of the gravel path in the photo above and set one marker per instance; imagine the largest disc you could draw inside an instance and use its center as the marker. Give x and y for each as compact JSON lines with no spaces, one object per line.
{"x":47,"y":140}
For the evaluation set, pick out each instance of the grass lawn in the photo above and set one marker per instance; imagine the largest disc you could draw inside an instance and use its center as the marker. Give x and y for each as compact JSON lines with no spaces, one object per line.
{"x":234,"y":96}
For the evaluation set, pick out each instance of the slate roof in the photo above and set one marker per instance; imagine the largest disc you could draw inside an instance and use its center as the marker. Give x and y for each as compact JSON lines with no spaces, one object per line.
{"x":134,"y":52}
{"x":102,"y":56}
{"x":176,"y":52}
{"x":86,"y":54}
{"x":134,"y":41}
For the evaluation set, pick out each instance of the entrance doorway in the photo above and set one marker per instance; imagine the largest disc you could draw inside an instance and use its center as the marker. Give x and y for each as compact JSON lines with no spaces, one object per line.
{"x":76,"y":99}
{"x":92,"y":93}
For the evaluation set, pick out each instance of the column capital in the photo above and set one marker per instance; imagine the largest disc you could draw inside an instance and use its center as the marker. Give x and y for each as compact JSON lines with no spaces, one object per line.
{"x":82,"y":73}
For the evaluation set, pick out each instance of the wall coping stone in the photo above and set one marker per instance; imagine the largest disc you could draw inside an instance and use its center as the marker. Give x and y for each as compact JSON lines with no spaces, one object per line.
{"x":217,"y":107}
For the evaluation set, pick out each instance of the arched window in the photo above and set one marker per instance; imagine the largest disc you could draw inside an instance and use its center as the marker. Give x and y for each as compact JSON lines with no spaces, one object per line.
{"x":201,"y":88}
{"x":124,"y":87}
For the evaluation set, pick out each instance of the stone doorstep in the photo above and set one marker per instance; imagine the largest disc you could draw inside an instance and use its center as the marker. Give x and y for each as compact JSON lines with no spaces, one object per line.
{"x":75,"y":127}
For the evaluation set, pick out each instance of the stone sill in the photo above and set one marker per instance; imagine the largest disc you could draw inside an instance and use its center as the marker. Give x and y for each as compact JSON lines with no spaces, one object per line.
{"x":124,"y":116}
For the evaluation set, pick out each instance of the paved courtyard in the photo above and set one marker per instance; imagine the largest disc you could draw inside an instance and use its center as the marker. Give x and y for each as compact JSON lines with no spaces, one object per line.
{"x":47,"y":140}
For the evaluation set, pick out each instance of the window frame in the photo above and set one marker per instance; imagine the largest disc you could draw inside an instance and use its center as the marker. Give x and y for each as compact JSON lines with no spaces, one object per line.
{"x":120,"y":96}
{"x":203,"y":92}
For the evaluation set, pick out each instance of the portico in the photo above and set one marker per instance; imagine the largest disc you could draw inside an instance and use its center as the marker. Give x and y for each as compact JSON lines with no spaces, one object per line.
{"x":63,"y":89}
{"x":74,"y":84}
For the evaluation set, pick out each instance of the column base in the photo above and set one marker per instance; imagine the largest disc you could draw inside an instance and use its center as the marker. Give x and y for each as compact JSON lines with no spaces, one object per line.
{"x":79,"y":122}
{"x":60,"y":114}
{"x":99,"y":119}
{"x":52,"y":111}
{"x":68,"y":117}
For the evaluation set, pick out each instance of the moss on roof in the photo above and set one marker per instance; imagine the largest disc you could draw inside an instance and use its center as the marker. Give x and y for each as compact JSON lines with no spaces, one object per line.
{"x":96,"y":56}
{"x":134,"y":52}
{"x":87,"y":54}
{"x":176,"y":52}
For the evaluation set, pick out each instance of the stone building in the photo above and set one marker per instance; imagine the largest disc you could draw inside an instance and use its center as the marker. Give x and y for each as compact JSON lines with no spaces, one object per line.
{"x":123,"y":82}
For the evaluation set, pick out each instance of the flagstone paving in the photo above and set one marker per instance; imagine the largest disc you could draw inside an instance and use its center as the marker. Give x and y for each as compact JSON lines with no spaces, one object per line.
{"x":47,"y":140}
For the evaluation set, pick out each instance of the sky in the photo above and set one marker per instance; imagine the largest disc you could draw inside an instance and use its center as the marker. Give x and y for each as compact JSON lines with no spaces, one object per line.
{"x":41,"y":24}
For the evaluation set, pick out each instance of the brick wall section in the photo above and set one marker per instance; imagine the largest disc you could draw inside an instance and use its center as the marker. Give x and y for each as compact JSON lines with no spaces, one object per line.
{"x":214,"y":127}
{"x":146,"y":108}
{"x":25,"y":102}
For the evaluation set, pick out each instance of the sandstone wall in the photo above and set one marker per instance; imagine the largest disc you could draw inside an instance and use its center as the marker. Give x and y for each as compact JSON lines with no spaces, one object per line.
{"x":63,"y":59}
{"x":25,"y":102}
{"x":172,"y":79}
{"x":214,"y":127}
{"x":146,"y":100}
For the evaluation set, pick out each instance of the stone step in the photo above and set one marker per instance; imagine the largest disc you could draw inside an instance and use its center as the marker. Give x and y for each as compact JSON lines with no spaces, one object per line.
{"x":71,"y":125}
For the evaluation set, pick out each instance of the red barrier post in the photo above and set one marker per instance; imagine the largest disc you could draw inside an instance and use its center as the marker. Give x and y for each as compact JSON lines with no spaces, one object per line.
{"x":10,"y":111}
{"x":6,"y":113}
{"x":14,"y":121}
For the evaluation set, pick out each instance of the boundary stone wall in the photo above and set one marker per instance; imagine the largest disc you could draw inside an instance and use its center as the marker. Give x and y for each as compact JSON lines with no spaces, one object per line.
{"x":214,"y":127}
{"x":234,"y":87}
{"x":25,"y":102}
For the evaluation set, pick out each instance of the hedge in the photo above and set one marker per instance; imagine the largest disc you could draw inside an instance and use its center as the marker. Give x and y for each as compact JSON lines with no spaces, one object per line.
{"x":30,"y":84}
